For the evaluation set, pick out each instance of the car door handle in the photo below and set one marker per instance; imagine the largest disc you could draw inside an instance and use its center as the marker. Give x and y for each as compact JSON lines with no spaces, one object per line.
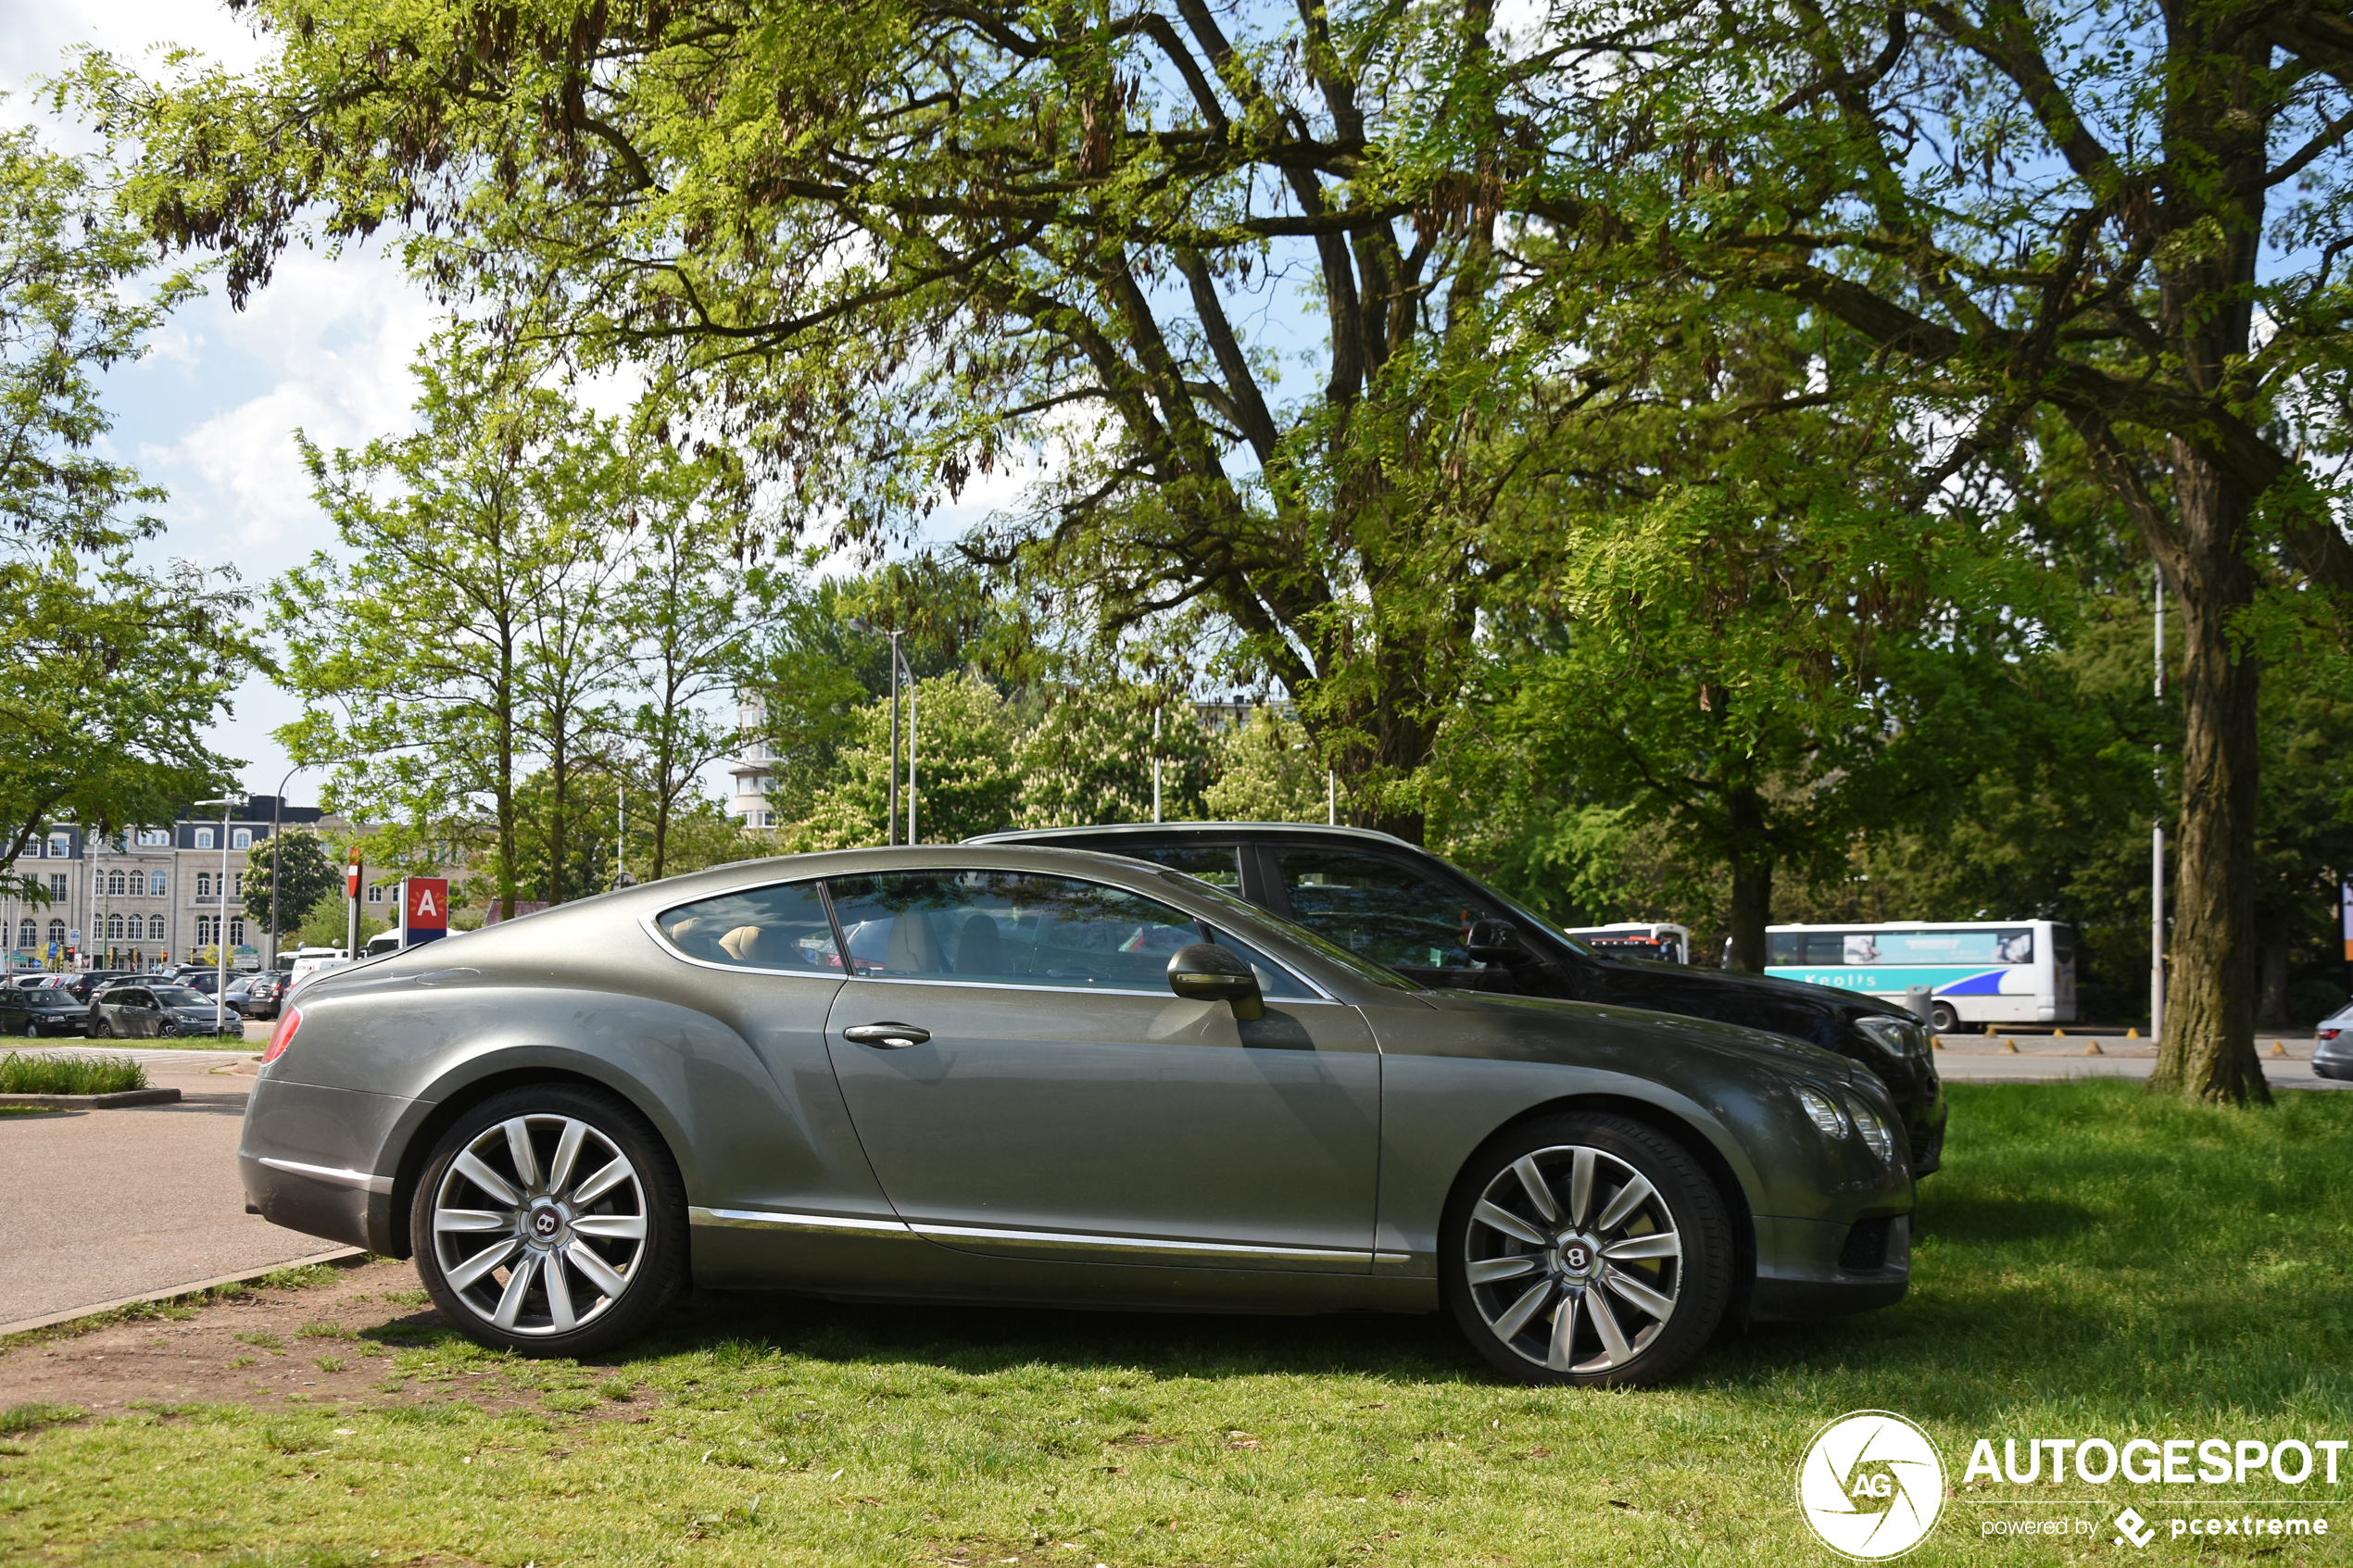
{"x":887,"y":1036}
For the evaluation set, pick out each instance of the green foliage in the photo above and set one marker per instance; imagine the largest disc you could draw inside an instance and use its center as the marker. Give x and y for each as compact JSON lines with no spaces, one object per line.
{"x":32,"y":1416}
{"x":305,"y":873}
{"x":22,"y":1074}
{"x":1086,"y":754}
{"x":115,"y":670}
{"x":964,"y":771}
{"x":1267,"y":772}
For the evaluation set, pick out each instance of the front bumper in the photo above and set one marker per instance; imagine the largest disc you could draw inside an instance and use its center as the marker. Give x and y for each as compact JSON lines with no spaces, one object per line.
{"x":1818,"y":1269}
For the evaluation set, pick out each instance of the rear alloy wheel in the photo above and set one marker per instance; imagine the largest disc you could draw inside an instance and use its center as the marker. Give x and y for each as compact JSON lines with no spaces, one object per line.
{"x":102,"y":1030}
{"x":1944,"y":1017}
{"x":1586,"y":1250}
{"x":551,"y":1221}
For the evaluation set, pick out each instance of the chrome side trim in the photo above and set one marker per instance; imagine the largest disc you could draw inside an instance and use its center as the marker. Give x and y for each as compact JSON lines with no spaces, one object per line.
{"x":766,"y":1218}
{"x":330,"y":1173}
{"x":1068,"y":990}
{"x":1139,"y":1245}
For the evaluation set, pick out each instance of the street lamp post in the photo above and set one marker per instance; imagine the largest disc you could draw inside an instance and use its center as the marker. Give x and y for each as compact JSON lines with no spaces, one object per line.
{"x":277,"y":815}
{"x":897,"y":664}
{"x":221,"y":925}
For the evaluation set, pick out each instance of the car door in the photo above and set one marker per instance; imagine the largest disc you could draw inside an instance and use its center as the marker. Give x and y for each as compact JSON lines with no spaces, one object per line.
{"x":1025,"y":1084}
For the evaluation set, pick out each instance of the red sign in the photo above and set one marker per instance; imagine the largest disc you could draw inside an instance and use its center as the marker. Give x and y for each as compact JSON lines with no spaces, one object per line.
{"x":425,"y":903}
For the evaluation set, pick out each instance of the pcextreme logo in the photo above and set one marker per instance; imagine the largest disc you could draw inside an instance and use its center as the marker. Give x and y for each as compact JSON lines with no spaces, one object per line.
{"x":1870,"y":1485}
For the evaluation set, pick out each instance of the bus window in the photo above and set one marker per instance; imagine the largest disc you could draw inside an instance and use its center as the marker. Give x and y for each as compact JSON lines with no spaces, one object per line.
{"x":1858,"y":946}
{"x":2016,"y":946}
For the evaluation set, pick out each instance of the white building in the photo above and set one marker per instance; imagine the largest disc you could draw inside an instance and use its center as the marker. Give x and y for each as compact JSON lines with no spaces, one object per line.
{"x":754,"y":769}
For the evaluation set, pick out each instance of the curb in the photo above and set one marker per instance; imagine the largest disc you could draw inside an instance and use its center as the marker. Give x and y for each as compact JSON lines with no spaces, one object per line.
{"x":94,"y":1102}
{"x":26,"y":1325}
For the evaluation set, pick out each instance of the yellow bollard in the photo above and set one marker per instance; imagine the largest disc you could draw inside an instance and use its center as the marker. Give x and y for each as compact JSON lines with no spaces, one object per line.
{"x":2059,"y":1034}
{"x":2010,"y":1046}
{"x":2132,"y":1034}
{"x":2279,"y":1048}
{"x":2093,"y":1050}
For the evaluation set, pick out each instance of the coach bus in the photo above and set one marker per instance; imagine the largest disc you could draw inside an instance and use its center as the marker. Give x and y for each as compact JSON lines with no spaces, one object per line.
{"x":1977,"y":971}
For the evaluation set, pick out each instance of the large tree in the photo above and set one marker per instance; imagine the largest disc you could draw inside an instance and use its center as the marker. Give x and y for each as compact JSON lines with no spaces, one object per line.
{"x":460,"y":634}
{"x":2132,"y":218}
{"x":114,"y":669}
{"x":893,"y":246}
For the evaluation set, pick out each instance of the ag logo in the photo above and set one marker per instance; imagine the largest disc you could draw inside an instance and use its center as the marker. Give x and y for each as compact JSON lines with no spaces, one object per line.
{"x":1870,"y":1485}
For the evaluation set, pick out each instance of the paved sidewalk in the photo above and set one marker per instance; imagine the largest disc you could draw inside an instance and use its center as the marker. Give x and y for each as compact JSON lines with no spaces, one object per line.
{"x":105,"y":1205}
{"x":1974,"y":1059}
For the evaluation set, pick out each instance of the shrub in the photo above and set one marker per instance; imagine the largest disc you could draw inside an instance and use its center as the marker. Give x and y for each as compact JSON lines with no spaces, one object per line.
{"x":21,"y":1074}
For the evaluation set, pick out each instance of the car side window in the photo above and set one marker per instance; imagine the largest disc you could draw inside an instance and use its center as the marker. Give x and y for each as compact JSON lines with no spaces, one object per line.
{"x":781,"y":928}
{"x":1274,"y":982}
{"x":1379,"y":908}
{"x":1218,"y":864}
{"x":1005,"y":927}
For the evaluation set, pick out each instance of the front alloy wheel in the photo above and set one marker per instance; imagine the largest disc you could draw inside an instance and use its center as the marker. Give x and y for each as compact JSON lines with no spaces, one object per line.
{"x":549,"y":1221}
{"x":1587,"y":1249}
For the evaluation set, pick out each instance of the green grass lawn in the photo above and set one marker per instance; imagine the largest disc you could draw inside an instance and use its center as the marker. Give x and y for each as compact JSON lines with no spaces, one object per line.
{"x":2091,"y":1263}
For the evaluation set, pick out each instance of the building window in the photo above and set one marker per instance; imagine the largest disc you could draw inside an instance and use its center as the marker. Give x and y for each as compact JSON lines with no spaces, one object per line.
{"x":57,"y":933}
{"x":154,"y":838}
{"x":204,"y":838}
{"x":236,"y":934}
{"x":155,"y":928}
{"x":58,"y":888}
{"x":60,"y":847}
{"x":241,"y":838}
{"x":156,"y":884}
{"x":115,"y":886}
{"x":28,"y":933}
{"x":204,"y":884}
{"x":114,"y":928}
{"x":237,"y":884}
{"x":208,"y":930}
{"x":97,"y":883}
{"x":376,"y":894}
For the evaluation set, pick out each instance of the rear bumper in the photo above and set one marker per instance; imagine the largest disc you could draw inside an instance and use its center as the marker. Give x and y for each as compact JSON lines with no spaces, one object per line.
{"x":322,"y":1161}
{"x":1813,"y":1269}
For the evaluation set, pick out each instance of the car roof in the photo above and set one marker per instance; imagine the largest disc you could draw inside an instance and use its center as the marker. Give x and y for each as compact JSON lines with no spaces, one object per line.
{"x":1197,"y":830}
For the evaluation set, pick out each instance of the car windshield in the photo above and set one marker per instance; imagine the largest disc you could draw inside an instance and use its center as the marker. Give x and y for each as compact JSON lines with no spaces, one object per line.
{"x":1364,"y":969}
{"x":1540,"y":923}
{"x":180,"y":997}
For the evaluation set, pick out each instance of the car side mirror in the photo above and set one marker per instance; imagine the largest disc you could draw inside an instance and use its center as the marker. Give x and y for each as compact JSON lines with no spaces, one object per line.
{"x":1494,"y":941}
{"x":1207,"y":972}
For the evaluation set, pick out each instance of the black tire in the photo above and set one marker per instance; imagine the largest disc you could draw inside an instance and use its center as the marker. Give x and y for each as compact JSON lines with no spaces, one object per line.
{"x":33,"y":1029}
{"x":101,"y":1030}
{"x":1944,"y":1017}
{"x":579,"y":1243}
{"x":1616,"y":1267}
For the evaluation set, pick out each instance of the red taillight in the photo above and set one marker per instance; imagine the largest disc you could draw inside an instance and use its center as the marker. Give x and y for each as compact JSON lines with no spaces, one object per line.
{"x":282,"y":1036}
{"x":2328,"y":1034}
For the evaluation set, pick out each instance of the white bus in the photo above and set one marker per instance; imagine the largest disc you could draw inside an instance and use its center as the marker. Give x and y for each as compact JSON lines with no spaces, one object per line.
{"x":1978,"y":972}
{"x":1634,"y":940}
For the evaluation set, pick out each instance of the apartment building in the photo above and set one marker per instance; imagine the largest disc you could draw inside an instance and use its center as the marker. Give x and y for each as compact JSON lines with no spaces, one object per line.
{"x":150,"y":895}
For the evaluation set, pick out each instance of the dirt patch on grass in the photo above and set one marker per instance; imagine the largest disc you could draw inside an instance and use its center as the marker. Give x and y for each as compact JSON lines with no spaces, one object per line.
{"x":354,"y":1338}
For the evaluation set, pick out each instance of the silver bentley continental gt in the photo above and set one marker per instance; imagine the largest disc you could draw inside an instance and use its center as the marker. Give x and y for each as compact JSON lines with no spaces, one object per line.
{"x":1018,"y":1074}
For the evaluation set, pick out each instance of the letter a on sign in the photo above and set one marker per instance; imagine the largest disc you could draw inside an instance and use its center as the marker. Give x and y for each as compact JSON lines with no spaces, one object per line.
{"x":428,"y":904}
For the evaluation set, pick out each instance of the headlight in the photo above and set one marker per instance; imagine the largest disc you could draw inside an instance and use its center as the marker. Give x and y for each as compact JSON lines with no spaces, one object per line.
{"x":1876,"y":1133}
{"x":1823,"y":1111}
{"x":1898,"y":1037}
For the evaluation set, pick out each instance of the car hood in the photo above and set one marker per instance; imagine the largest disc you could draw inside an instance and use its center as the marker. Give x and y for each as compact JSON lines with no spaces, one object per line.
{"x":1774,"y":1052}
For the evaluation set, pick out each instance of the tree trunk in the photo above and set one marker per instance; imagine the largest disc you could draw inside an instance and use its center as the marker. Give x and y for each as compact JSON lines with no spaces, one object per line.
{"x":2208,"y":1050}
{"x":1752,"y":880}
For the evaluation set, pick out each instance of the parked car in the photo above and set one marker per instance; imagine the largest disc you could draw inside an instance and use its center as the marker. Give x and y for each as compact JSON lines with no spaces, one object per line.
{"x":1067,"y":1078}
{"x":89,"y":982}
{"x":1403,"y":906}
{"x":259,"y":998}
{"x":30,"y":979}
{"x":35,"y":1011}
{"x":152,"y":1009}
{"x":2333,"y":1045}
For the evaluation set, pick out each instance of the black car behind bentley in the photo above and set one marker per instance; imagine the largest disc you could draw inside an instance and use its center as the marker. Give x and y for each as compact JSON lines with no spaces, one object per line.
{"x":1434,"y":922}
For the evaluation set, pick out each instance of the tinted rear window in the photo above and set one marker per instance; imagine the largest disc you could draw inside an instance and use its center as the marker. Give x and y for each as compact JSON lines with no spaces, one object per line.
{"x":782,"y":927}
